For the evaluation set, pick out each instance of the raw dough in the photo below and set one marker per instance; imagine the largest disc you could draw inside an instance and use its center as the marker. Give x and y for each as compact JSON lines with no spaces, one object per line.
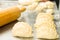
{"x":45,"y":27}
{"x":42,"y":18}
{"x":22,"y":29}
{"x":40,"y":7}
{"x":46,"y":30}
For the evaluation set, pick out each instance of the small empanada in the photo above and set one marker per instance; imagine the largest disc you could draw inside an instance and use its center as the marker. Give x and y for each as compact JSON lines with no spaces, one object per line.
{"x":42,"y":18}
{"x":47,"y":30}
{"x":22,"y":29}
{"x":45,"y":27}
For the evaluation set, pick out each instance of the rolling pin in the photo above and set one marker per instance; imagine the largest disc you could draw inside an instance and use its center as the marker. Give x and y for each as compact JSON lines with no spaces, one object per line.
{"x":10,"y":14}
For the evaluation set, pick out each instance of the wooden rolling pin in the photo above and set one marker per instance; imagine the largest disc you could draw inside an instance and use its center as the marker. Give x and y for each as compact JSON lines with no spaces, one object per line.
{"x":10,"y":14}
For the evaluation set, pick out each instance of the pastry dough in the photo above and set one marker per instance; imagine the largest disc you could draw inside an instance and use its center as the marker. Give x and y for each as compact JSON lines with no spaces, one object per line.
{"x":45,"y":27}
{"x":46,"y":7}
{"x":40,"y":6}
{"x":42,"y":18}
{"x":22,"y":29}
{"x":46,"y":30}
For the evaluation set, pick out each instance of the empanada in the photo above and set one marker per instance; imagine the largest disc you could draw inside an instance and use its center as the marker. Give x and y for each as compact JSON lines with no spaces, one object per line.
{"x":22,"y":29}
{"x":46,"y":30}
{"x":42,"y":18}
{"x":45,"y":27}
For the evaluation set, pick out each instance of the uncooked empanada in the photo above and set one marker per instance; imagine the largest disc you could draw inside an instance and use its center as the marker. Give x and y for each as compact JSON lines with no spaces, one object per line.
{"x":22,"y":29}
{"x":42,"y":18}
{"x":45,"y":27}
{"x":47,"y":30}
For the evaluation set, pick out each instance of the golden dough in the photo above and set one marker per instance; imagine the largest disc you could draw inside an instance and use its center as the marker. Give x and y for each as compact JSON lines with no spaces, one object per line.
{"x":22,"y":29}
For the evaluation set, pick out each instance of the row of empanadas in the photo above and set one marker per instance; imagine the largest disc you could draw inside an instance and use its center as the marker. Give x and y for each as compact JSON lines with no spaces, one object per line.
{"x":46,"y":7}
{"x":44,"y":24}
{"x":45,"y":28}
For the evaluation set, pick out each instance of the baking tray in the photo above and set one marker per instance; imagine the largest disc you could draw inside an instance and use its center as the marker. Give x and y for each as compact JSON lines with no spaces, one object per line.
{"x":5,"y":31}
